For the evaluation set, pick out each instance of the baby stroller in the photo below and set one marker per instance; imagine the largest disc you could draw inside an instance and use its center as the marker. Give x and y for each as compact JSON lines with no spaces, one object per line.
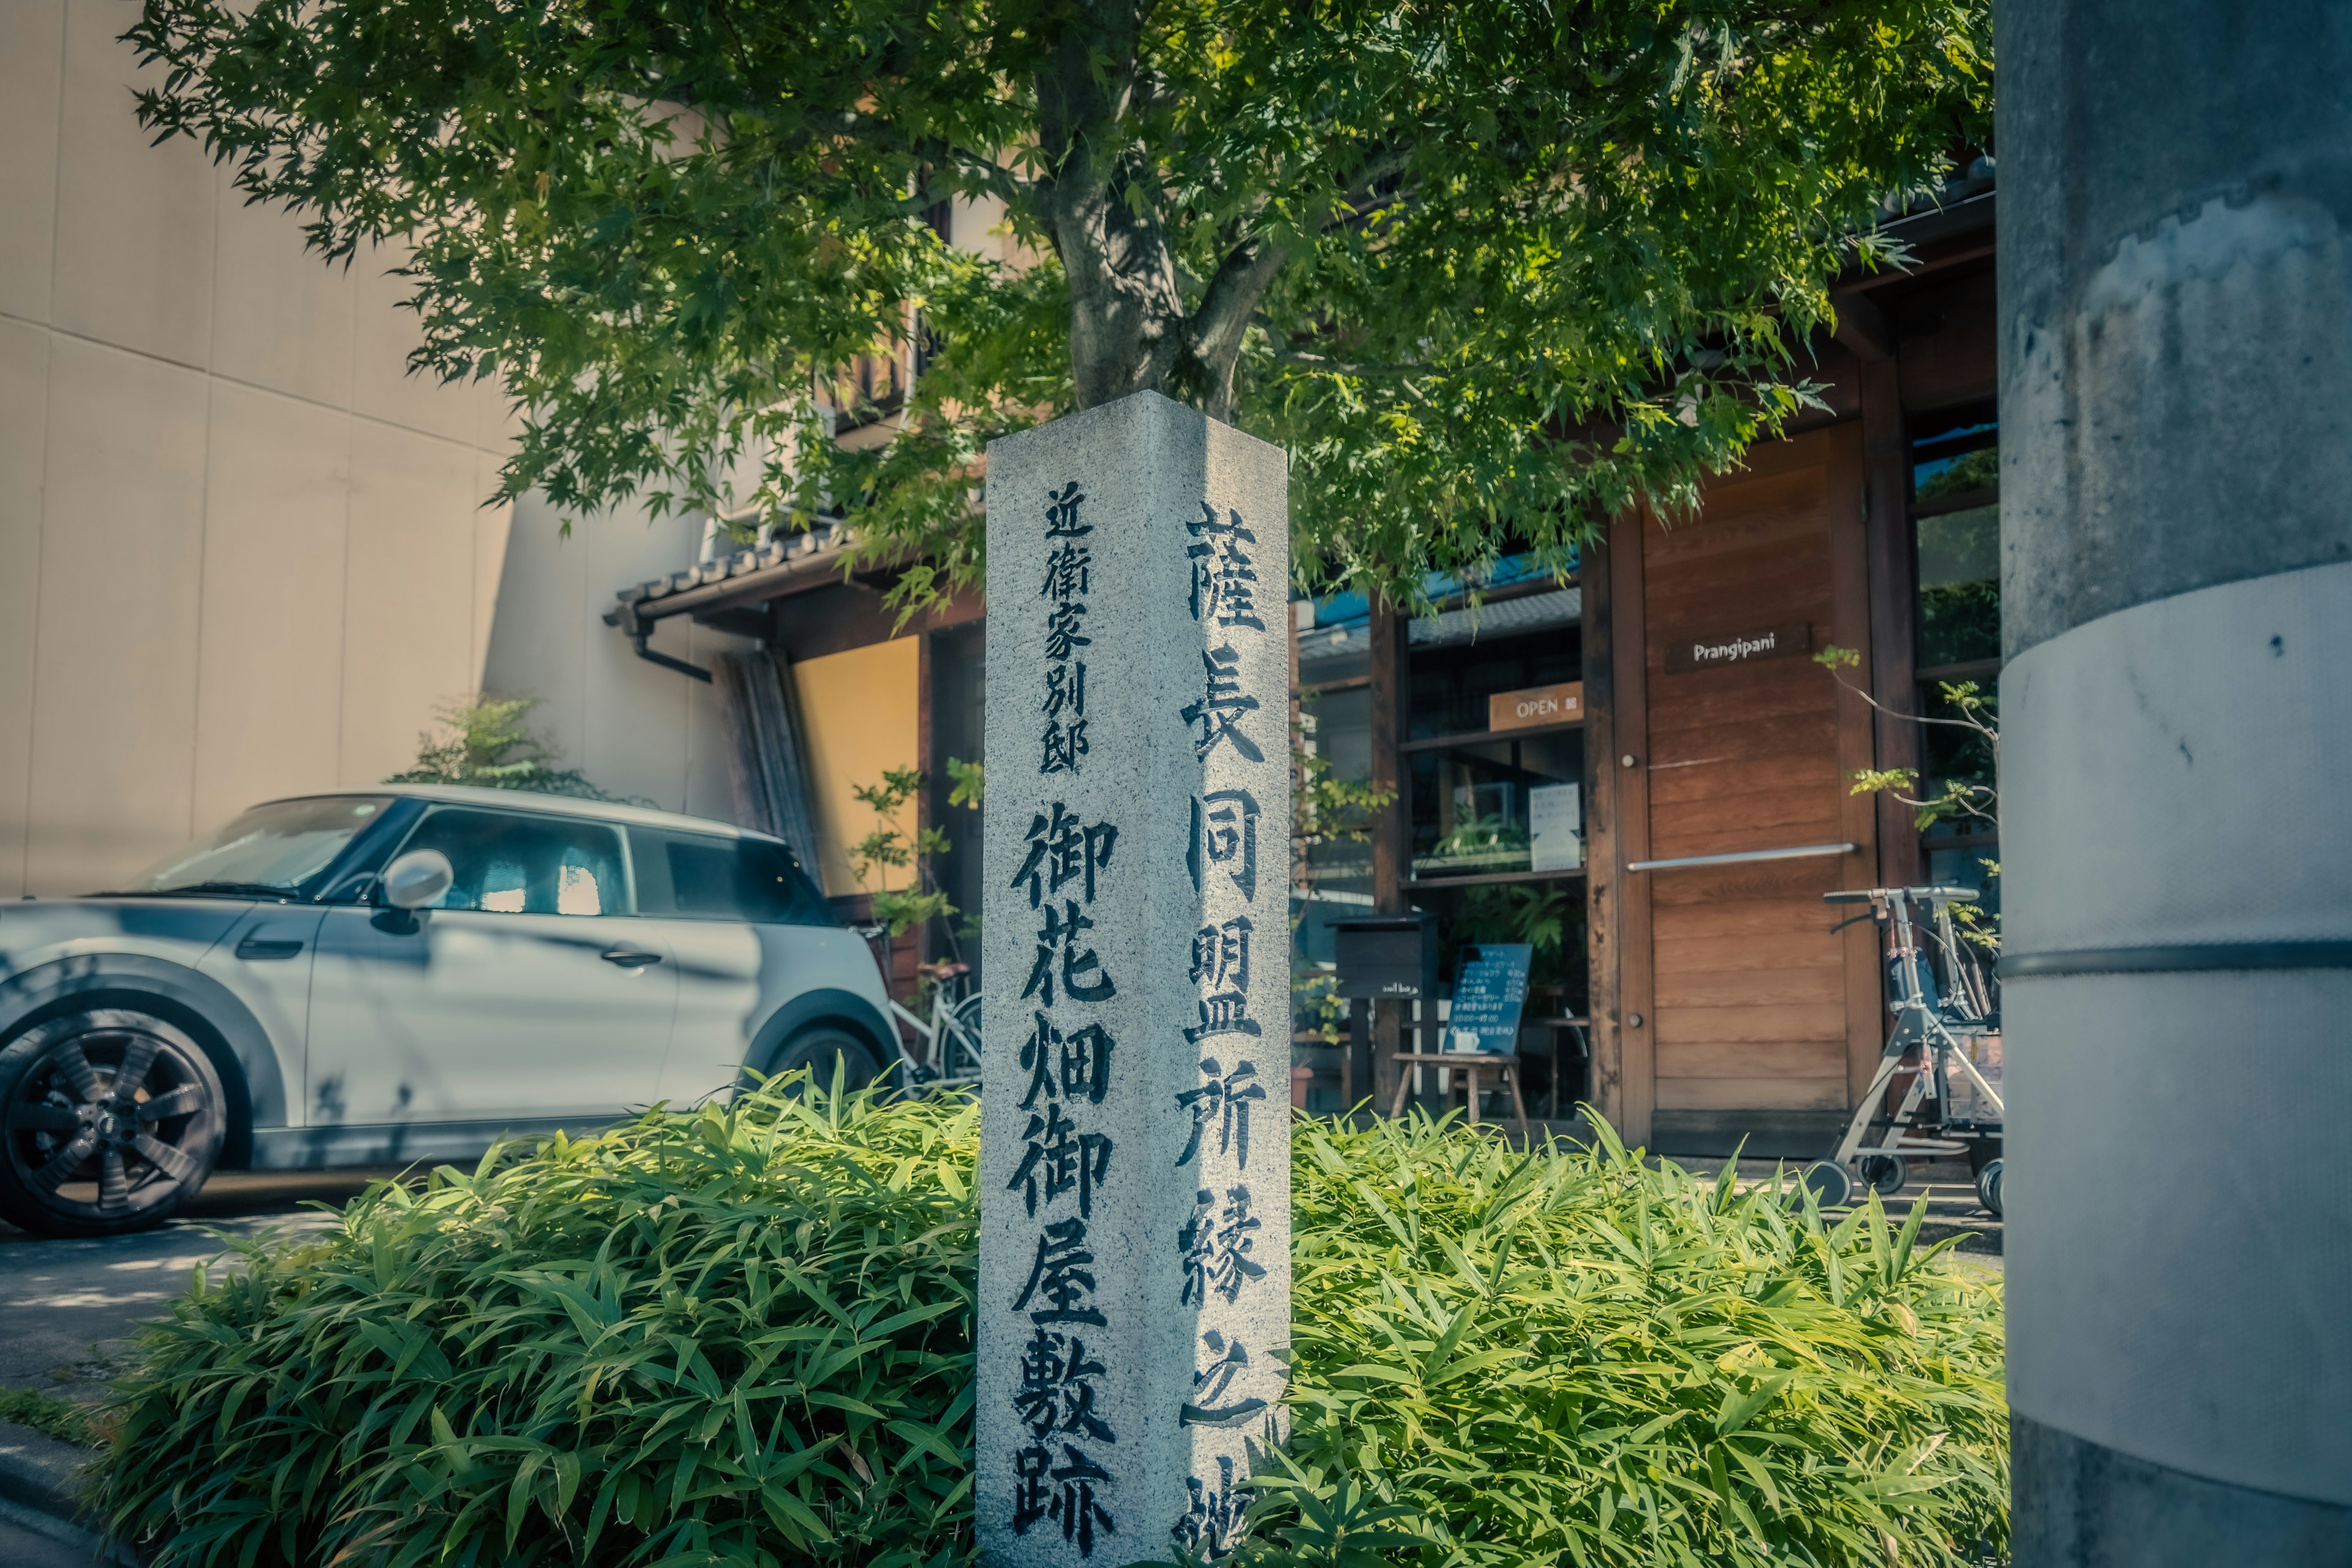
{"x":1936,"y":1035}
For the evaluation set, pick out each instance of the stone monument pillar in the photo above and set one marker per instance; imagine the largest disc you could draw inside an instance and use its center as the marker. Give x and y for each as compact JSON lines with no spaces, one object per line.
{"x":1134,"y":1316}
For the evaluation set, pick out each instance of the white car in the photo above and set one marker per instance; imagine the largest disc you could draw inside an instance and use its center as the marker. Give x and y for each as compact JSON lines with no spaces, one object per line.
{"x":403,"y":974}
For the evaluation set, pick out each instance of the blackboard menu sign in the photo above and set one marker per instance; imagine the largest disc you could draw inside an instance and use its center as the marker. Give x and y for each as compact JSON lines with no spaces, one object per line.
{"x":1490,"y":992}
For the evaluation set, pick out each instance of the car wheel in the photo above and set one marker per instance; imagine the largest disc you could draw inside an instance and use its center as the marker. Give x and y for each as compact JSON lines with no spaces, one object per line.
{"x":110,"y":1120}
{"x":815,"y":1049}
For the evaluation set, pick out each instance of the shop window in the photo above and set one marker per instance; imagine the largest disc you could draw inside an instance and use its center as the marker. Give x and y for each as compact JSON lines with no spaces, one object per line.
{"x":1495,"y":817}
{"x":1335,"y":727}
{"x":1956,"y":522}
{"x":1956,"y":519}
{"x":1498,"y":807}
{"x":1488,"y":803}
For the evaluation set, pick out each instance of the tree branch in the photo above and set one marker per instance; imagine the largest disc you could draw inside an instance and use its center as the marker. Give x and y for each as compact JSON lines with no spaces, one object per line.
{"x":1214,"y":334}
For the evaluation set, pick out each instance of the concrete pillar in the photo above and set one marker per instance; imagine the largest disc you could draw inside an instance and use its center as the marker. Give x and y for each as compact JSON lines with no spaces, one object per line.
{"x":2175,"y":322}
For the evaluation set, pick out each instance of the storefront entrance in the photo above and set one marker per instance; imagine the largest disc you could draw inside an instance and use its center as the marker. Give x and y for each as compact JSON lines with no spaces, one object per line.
{"x":1723,"y":812}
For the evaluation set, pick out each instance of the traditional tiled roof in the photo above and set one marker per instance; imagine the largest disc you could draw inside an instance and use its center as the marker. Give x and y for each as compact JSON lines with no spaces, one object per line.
{"x":745,"y":576}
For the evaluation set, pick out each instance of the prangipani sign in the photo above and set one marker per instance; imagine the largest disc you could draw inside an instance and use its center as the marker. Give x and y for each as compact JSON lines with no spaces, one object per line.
{"x":1685,"y":654}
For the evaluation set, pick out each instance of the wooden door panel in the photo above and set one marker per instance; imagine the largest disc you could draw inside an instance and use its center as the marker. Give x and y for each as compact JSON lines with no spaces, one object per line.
{"x":1733,"y":988}
{"x":1765,"y":1092}
{"x":1785,"y":943}
{"x":1764,"y":923}
{"x":1708,"y":1058}
{"x":1758,"y":1005}
{"x":1692,"y":781}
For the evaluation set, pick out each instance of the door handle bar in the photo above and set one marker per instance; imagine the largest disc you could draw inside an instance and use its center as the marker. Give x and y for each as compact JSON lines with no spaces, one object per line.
{"x":629,"y":957}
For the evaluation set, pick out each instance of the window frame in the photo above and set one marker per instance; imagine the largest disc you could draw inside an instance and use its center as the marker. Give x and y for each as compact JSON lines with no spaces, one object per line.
{"x":618,"y":830}
{"x":738,"y":846}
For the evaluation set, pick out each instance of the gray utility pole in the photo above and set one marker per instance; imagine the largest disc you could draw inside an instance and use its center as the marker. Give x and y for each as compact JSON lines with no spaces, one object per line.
{"x":2176,"y":380}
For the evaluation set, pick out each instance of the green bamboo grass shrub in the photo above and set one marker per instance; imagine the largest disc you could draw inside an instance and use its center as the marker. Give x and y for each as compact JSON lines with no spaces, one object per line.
{"x":743,"y":1336}
{"x":1503,"y":1360}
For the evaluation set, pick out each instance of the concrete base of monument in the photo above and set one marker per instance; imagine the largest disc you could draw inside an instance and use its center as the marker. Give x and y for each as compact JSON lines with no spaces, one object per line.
{"x":1133,"y":1321}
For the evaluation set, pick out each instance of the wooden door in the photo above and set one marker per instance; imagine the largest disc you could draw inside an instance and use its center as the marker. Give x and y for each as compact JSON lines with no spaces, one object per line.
{"x":1738,"y":1011}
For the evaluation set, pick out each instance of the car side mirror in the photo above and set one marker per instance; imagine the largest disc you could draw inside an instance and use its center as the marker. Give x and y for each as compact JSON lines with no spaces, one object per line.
{"x":417,"y":879}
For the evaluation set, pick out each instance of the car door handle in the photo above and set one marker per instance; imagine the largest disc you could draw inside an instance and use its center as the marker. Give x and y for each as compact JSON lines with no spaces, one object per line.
{"x":629,"y":957}
{"x":255,"y":948}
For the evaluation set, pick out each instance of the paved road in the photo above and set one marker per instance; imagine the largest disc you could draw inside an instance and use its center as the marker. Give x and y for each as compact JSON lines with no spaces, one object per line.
{"x":22,"y":1548}
{"x":70,"y":1305}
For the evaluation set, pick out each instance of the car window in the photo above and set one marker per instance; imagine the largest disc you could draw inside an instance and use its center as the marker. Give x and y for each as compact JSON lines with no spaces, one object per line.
{"x":516,"y":863}
{"x":702,"y":877}
{"x":278,"y":847}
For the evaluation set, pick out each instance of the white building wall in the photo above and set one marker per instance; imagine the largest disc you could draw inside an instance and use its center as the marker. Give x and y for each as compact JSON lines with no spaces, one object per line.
{"x":242,"y":552}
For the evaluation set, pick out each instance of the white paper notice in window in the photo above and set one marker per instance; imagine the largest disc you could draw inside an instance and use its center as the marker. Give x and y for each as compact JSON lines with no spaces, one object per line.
{"x":1555,"y":828}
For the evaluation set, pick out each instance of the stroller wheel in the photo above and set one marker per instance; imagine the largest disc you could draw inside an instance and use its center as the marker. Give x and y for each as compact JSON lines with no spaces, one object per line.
{"x":1887,"y":1173}
{"x":1831,"y":1183}
{"x":1988,"y":1188}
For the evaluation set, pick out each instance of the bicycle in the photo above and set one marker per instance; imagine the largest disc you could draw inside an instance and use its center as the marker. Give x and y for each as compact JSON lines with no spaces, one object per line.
{"x":1928,"y":1039}
{"x":951,"y":1036}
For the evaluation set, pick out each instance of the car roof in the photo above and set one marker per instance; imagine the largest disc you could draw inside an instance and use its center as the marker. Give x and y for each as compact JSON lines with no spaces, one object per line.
{"x":531,"y":800}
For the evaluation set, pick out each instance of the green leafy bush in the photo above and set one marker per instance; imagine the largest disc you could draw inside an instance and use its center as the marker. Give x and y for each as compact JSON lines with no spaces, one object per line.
{"x":743,"y":1335}
{"x":1505,"y":1358}
{"x":485,"y":741}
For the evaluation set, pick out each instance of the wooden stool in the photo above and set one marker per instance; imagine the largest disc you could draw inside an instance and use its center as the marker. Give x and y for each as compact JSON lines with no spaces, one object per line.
{"x":1470,"y":1062}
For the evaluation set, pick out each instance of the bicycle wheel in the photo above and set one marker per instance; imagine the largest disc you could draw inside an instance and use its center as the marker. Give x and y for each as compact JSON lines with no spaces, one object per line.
{"x":960,"y":1048}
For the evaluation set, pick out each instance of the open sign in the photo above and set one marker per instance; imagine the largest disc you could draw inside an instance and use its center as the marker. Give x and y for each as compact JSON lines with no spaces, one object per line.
{"x":1560,"y":704}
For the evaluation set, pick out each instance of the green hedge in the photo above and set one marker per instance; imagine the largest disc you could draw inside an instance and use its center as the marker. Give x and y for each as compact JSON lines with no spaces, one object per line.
{"x":1505,"y":1359}
{"x":743,"y":1335}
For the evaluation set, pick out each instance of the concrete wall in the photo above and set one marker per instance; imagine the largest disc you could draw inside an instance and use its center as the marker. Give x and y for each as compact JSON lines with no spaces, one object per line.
{"x":242,"y":553}
{"x":633,"y":728}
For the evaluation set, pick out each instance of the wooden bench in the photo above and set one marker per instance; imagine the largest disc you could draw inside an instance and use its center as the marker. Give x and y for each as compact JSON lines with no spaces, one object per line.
{"x":1472,"y":1063}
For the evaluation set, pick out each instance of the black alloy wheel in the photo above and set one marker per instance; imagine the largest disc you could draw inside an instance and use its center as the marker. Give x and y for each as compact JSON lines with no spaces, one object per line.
{"x":110,"y":1120}
{"x":824,"y":1052}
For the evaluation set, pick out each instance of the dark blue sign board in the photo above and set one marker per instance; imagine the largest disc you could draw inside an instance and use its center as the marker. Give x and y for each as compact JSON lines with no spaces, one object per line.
{"x":1490,"y":992}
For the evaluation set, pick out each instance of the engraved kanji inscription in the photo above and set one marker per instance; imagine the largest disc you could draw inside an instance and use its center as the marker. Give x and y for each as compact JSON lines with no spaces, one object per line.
{"x":1074,"y":1066}
{"x":1221,"y":705}
{"x":1216,"y":1244}
{"x":1081,"y":972}
{"x":1224,"y":1099}
{"x":1212,"y":1524}
{"x":1062,"y":1277}
{"x":1225,"y":579}
{"x":1224,"y":838}
{"x":1058,"y":1388}
{"x":1063,"y":1492}
{"x":1059,"y":1160}
{"x":1061,"y":850}
{"x":1212,"y":1405}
